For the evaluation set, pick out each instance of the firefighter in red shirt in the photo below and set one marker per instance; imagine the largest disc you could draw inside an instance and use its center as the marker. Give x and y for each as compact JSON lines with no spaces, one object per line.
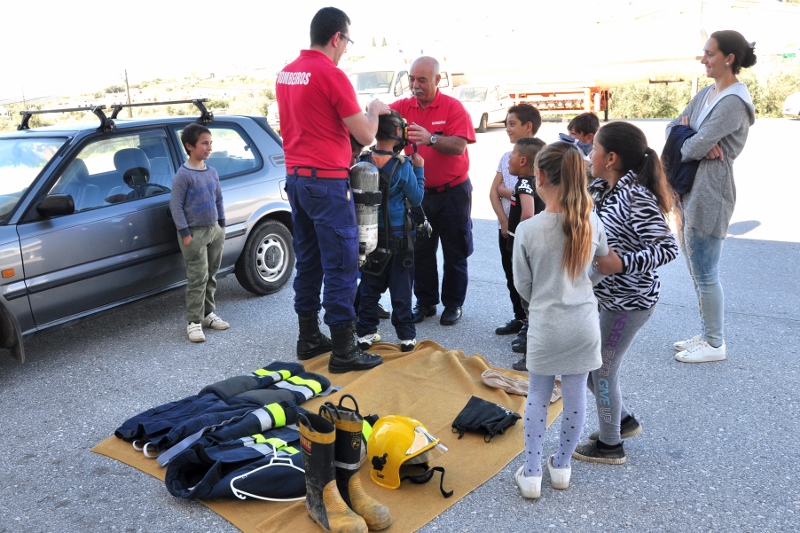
{"x":319,"y":111}
{"x":442,"y":129}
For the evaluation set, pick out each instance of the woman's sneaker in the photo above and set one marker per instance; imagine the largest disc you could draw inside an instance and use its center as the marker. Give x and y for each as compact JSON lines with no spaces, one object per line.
{"x":702,"y":352}
{"x":629,"y":427}
{"x":368,"y":340}
{"x":598,"y":452}
{"x":687,"y":343}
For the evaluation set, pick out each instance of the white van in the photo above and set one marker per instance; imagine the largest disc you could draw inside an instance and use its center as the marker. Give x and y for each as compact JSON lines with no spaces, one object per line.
{"x":386,"y":84}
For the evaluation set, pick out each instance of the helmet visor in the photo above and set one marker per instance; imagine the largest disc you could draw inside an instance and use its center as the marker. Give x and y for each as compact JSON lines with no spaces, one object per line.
{"x":424,"y":447}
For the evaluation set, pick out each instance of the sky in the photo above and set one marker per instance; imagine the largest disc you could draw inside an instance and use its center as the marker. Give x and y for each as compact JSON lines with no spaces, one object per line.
{"x":90,"y":44}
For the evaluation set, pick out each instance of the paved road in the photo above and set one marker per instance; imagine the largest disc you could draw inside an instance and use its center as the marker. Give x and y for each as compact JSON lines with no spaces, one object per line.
{"x":717,"y":452}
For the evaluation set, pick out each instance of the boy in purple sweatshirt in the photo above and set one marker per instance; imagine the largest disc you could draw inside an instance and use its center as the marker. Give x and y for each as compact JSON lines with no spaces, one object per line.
{"x":196,"y":206}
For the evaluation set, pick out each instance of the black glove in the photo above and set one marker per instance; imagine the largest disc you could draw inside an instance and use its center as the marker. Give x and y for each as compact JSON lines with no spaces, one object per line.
{"x":484,"y":417}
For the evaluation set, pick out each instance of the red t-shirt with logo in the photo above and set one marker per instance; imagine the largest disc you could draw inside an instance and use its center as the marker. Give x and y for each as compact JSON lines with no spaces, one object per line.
{"x":314,"y":95}
{"x":445,"y":116}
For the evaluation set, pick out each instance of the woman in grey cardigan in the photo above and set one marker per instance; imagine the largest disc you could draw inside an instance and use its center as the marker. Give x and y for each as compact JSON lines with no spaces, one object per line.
{"x":721,"y":114}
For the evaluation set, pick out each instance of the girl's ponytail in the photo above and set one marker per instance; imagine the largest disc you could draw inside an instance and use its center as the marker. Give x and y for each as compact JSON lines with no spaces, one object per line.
{"x":564,"y":167}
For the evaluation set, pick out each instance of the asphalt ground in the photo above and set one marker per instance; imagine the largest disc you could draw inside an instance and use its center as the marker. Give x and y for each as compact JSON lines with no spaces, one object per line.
{"x":717,"y":452}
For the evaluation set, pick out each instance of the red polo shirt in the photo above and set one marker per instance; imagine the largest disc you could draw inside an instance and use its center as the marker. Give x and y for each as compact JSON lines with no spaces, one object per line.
{"x":444,"y":116}
{"x":314,"y":95}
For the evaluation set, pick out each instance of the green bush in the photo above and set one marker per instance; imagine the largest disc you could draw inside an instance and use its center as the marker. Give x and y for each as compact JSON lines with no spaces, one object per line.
{"x":649,"y":100}
{"x":769,"y":86}
{"x":217,"y":103}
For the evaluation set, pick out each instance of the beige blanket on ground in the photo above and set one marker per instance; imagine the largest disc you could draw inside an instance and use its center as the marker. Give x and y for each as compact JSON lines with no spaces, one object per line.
{"x":431,"y":384}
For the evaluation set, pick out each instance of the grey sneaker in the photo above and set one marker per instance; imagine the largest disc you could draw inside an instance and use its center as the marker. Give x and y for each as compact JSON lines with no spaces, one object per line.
{"x":598,"y":452}
{"x":214,"y":322}
{"x":195,"y":332}
{"x":629,"y":427}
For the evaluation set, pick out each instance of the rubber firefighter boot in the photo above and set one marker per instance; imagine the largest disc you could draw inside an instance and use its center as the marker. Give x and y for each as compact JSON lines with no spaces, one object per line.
{"x":347,"y":356}
{"x":350,"y":451}
{"x":324,"y":504}
{"x":311,"y":342}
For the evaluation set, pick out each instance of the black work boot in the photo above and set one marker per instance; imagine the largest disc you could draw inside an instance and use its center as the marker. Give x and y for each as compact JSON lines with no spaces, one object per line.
{"x":311,"y":342}
{"x":350,"y":450}
{"x":324,"y":504}
{"x":346,"y":355}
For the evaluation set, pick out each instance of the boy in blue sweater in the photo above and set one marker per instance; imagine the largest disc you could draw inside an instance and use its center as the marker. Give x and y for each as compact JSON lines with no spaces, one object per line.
{"x":196,"y":206}
{"x":407,"y":185}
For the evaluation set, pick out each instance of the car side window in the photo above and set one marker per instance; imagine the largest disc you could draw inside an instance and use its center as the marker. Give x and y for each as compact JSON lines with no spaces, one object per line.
{"x":232,"y":152}
{"x":493,"y":94}
{"x":402,"y":86}
{"x":445,"y":81}
{"x":117,"y":169}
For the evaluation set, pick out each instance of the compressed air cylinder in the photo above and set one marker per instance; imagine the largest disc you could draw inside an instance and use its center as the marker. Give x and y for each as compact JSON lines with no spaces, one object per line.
{"x":365,"y":181}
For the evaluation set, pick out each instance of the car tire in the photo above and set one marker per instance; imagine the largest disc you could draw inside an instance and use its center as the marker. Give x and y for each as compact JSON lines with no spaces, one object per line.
{"x":267,"y":259}
{"x":484,"y":125}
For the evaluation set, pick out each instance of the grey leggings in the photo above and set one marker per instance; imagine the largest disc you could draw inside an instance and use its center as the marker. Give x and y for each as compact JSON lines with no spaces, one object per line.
{"x":574,"y":397}
{"x":617,"y":330}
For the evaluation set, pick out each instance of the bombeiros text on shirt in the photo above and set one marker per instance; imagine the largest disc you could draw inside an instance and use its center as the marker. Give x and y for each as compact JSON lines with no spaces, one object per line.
{"x":294,"y":78}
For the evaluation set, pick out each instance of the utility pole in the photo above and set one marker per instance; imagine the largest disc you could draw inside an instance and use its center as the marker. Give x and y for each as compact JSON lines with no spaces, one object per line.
{"x":128,"y":88}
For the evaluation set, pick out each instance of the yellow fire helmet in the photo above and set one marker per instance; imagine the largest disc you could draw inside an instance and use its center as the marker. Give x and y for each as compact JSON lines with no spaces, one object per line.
{"x":398,"y":441}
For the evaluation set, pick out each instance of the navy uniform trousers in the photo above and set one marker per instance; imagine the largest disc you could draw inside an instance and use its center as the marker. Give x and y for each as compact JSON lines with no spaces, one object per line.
{"x":398,"y":276}
{"x":325,"y":246}
{"x":449,"y":214}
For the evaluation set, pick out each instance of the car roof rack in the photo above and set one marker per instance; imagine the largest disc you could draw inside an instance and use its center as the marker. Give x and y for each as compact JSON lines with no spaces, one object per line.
{"x":206,"y":116}
{"x":107,"y":123}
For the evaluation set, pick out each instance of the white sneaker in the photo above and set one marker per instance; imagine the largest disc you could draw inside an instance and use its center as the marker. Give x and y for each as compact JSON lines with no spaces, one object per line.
{"x":214,"y":322}
{"x":368,"y":340}
{"x":195,"y":332}
{"x":530,"y":487}
{"x":559,"y":477}
{"x":408,"y":345}
{"x":702,"y":352}
{"x":687,"y":343}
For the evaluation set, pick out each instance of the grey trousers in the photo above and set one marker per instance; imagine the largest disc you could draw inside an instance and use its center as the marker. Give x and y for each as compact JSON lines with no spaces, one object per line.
{"x":617,"y":331}
{"x":202,"y":256}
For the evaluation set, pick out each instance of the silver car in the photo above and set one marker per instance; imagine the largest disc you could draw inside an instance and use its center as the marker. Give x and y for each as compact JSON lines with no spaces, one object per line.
{"x":85,"y":223}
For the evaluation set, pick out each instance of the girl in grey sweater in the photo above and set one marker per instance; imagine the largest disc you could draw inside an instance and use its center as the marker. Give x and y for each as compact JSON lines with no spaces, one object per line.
{"x":551,"y":258}
{"x":721,"y":114}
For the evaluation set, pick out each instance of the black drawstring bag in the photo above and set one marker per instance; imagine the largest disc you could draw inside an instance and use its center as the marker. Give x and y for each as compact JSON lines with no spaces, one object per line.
{"x":484,"y":417}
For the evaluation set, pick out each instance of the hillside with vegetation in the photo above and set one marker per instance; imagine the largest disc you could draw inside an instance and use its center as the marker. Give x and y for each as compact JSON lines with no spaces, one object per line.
{"x":234,"y":95}
{"x":770,"y":82}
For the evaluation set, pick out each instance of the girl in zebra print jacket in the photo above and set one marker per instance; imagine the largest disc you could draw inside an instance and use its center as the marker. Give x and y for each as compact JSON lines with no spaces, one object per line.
{"x":633,"y":199}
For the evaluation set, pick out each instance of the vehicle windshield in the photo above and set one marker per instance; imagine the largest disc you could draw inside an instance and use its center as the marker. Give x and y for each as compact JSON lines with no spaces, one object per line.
{"x":470,"y":94}
{"x":21,"y":161}
{"x":377,"y":82}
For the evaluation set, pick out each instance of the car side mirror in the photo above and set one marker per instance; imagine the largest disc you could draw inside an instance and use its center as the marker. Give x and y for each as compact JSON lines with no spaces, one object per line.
{"x":56,"y":205}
